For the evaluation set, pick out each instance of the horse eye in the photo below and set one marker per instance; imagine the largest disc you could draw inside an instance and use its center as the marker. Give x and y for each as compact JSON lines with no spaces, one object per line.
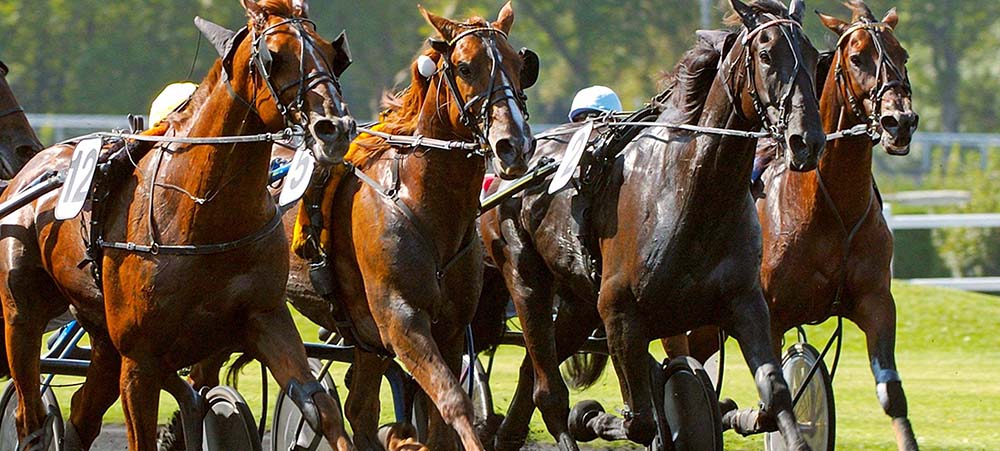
{"x":765,"y":57}
{"x":464,"y":70}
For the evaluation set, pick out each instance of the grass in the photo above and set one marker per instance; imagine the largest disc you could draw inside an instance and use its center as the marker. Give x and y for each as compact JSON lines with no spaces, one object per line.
{"x":948,"y":354}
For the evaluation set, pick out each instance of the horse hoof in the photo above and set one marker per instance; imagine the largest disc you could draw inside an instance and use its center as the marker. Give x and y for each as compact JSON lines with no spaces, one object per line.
{"x":566,"y":443}
{"x":487,"y":429}
{"x":582,"y":413}
{"x":399,"y":437}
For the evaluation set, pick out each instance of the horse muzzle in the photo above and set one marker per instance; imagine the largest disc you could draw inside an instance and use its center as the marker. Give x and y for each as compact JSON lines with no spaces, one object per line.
{"x":511,"y":156}
{"x":804,"y":150}
{"x":897,"y":131}
{"x":333,"y":136}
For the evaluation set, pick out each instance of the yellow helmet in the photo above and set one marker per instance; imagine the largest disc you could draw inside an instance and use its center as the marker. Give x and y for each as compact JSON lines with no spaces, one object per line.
{"x":169,"y":99}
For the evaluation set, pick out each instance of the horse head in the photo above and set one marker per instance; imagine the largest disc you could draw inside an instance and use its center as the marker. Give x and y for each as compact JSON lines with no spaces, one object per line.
{"x":871,"y":73}
{"x":774,"y":65}
{"x":18,"y":142}
{"x":486,"y":78}
{"x":294,"y":73}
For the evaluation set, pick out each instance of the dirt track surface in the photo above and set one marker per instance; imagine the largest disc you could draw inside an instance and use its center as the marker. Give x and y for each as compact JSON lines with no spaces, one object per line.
{"x":112,"y":438}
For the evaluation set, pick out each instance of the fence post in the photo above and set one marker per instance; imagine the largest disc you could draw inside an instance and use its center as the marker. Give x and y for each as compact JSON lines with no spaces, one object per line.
{"x":887,"y":214}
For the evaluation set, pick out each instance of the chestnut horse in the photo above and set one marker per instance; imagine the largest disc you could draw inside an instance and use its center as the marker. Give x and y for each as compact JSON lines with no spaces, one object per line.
{"x":18,"y":142}
{"x":674,"y":229}
{"x":405,"y":258}
{"x":217,"y":280}
{"x":827,"y":248}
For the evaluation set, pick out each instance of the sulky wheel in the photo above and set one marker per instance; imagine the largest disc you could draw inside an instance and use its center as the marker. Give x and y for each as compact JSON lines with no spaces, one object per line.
{"x":579,"y":416}
{"x":814,"y":410}
{"x":229,"y":424}
{"x":691,"y":407}
{"x":8,"y":427}
{"x":288,"y":428}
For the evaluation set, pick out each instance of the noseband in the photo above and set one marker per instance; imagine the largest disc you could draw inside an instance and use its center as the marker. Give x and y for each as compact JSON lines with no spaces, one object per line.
{"x":776,"y":130}
{"x":882,"y":70}
{"x":480,"y":122}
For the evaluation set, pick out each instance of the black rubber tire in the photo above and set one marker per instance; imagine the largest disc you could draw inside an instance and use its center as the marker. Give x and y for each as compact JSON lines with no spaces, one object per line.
{"x":8,"y":423}
{"x":229,"y":423}
{"x":170,"y":437}
{"x":815,"y":411}
{"x":287,"y":416}
{"x":691,"y":407}
{"x":582,"y":412}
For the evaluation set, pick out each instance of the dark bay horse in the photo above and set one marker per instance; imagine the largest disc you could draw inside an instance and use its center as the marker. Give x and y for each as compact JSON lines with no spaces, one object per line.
{"x":827,"y":248}
{"x":406,"y":264}
{"x":674,"y":228}
{"x":18,"y":142}
{"x":217,"y":280}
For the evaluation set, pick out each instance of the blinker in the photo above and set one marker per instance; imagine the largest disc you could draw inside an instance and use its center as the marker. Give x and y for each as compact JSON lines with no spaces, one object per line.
{"x":529,"y":70}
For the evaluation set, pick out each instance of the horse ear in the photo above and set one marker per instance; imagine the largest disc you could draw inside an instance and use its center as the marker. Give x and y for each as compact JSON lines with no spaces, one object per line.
{"x":220,"y":37}
{"x":746,"y":13}
{"x":300,"y":8}
{"x":505,"y":20}
{"x":445,"y":28}
{"x":834,"y":24}
{"x":891,"y":18}
{"x":255,"y":13}
{"x":796,"y":10}
{"x":342,"y":60}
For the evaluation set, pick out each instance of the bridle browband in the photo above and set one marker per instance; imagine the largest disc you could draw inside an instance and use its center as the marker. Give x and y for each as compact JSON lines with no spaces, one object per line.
{"x":874,"y":29}
{"x":481,"y":121}
{"x":776,"y":130}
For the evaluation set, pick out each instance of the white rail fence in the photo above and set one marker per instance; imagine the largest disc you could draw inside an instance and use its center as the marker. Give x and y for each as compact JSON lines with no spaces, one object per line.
{"x":940,"y":221}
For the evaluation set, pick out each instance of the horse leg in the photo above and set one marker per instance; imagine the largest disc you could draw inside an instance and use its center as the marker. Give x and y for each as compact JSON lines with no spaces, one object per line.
{"x":628,"y":345}
{"x":409,"y":331}
{"x":875,"y":314}
{"x":140,"y":392}
{"x":362,"y":404}
{"x":99,"y":391}
{"x":206,"y":372}
{"x":28,"y":304}
{"x":274,"y":340}
{"x":750,"y":327}
{"x":531,"y":291}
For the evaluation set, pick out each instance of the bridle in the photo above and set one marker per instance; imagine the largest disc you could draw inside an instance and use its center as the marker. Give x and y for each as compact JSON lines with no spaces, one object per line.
{"x":776,"y":130}
{"x":261,"y":61}
{"x":883,"y":68}
{"x":481,"y":121}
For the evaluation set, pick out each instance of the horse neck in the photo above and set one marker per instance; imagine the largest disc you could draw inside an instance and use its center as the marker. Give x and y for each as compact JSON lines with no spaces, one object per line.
{"x":233,"y":176}
{"x":444,"y":184}
{"x":846,"y":165}
{"x":722,"y":164}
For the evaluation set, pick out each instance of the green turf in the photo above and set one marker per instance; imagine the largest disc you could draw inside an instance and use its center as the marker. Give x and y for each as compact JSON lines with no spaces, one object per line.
{"x":948,"y":355}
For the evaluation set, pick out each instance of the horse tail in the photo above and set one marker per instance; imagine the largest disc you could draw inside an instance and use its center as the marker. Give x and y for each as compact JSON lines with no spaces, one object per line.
{"x":583,"y":369}
{"x":233,"y":375}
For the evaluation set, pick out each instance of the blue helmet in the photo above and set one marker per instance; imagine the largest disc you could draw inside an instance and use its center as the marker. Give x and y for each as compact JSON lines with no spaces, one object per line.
{"x":594,"y":99}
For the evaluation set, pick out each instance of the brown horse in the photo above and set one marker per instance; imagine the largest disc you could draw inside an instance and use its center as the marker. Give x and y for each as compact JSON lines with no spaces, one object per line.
{"x":18,"y":142}
{"x":217,"y":280}
{"x":674,"y":228}
{"x":405,"y":260}
{"x":827,"y":248}
{"x":826,"y":227}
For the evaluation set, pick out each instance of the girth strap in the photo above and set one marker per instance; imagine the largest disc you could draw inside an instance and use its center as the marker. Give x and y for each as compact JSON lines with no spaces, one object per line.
{"x":196,"y":249}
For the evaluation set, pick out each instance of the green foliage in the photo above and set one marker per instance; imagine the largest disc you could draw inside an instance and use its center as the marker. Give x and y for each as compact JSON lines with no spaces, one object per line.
{"x":91,"y":56}
{"x":971,"y":252}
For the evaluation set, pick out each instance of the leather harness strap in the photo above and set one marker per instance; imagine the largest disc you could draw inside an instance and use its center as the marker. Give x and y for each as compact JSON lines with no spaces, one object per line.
{"x":196,"y":249}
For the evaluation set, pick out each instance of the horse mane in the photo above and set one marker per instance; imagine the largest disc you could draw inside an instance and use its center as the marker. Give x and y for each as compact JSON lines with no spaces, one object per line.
{"x":401,"y":111}
{"x":687,"y":85}
{"x":760,"y":7}
{"x":282,"y":8}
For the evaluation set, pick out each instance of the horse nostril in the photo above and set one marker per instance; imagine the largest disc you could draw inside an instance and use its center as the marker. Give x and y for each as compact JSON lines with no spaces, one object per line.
{"x":324,"y":130}
{"x":889,"y":122}
{"x":910,"y":121}
{"x":797,"y":143}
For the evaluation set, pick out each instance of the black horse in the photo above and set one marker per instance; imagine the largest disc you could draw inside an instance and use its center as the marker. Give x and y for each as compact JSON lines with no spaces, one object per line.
{"x":670,"y":240}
